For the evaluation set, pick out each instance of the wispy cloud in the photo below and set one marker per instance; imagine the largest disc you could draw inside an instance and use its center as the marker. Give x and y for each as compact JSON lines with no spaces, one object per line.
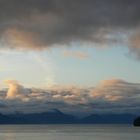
{"x":75,"y":54}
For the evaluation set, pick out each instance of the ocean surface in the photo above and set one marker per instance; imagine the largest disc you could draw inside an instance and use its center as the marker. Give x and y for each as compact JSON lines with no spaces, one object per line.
{"x":69,"y":132}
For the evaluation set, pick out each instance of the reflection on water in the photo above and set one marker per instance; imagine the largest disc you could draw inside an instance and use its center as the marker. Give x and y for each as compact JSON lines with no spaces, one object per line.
{"x":69,"y":132}
{"x":7,"y":136}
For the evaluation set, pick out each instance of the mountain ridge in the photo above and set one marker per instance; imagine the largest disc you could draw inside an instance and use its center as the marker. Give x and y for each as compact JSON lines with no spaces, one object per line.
{"x":55,"y":116}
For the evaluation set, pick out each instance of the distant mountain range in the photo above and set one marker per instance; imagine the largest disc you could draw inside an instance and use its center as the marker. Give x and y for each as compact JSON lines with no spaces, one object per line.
{"x":109,"y":119}
{"x":57,"y":117}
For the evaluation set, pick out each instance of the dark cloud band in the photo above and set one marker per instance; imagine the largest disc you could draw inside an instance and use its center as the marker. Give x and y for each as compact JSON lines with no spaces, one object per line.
{"x":44,"y":23}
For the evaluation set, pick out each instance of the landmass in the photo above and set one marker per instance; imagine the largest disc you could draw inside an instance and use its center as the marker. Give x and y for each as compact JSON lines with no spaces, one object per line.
{"x":137,"y":122}
{"x":57,"y":117}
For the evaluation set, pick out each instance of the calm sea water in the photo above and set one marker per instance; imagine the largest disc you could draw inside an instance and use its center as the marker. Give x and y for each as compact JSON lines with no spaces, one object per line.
{"x":69,"y":132}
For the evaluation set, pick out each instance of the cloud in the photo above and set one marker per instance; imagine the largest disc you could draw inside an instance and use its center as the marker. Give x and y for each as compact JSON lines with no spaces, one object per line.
{"x":135,"y":44}
{"x":115,"y":90}
{"x":38,"y":24}
{"x":110,"y":96}
{"x":15,"y":90}
{"x":21,"y":39}
{"x":76,"y":54}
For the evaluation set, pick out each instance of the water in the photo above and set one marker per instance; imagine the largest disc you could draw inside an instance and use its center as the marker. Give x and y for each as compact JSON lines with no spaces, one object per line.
{"x":69,"y":132}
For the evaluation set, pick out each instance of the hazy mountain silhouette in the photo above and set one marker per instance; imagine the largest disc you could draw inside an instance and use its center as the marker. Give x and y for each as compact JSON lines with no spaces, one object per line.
{"x":51,"y":117}
{"x":109,"y":119}
{"x":55,"y":116}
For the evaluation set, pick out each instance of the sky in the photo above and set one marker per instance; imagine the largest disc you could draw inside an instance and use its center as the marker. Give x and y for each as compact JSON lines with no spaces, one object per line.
{"x":82,"y":53}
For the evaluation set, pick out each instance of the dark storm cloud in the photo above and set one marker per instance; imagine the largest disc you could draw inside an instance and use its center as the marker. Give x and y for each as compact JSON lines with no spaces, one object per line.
{"x":44,"y":23}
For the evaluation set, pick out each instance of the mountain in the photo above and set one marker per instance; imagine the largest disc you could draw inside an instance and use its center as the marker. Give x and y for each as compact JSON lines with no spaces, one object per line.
{"x":4,"y":119}
{"x":109,"y":119}
{"x":51,"y":117}
{"x":55,"y":116}
{"x":136,"y":122}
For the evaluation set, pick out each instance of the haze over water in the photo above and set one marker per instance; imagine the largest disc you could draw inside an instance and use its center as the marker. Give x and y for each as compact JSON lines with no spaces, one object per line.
{"x":69,"y":132}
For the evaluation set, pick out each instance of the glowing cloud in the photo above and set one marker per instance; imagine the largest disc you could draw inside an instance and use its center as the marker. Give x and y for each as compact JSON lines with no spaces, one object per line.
{"x":76,"y":54}
{"x":15,"y":89}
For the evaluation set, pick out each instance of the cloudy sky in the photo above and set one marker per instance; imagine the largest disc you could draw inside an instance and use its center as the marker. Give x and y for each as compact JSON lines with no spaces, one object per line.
{"x":77,"y":55}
